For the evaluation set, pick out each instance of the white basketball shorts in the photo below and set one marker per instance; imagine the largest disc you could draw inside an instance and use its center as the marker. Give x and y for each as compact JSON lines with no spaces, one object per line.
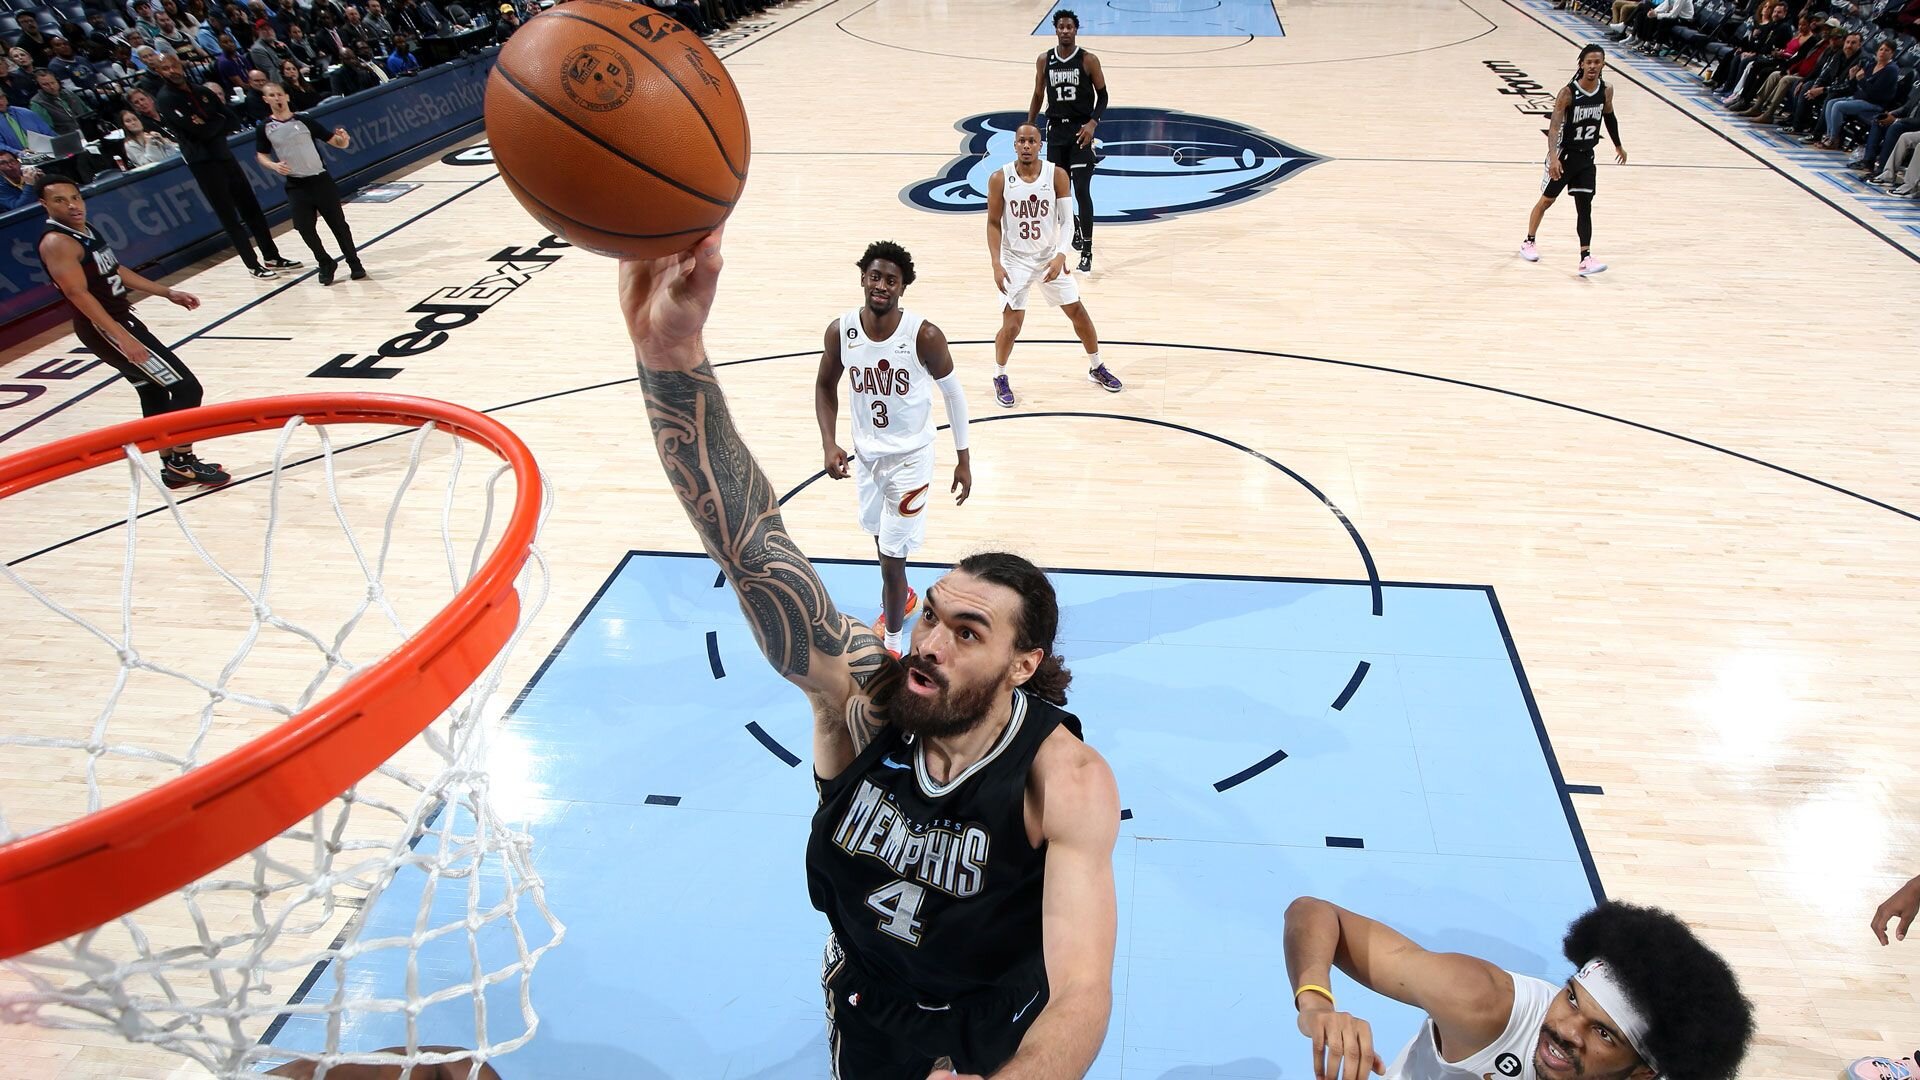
{"x":894,"y":492}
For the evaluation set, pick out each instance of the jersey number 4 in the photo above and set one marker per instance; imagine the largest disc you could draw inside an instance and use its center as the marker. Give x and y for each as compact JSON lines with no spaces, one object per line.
{"x":899,"y":907}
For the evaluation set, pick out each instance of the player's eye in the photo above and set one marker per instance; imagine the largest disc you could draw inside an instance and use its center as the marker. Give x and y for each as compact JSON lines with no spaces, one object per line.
{"x":1604,"y":1033}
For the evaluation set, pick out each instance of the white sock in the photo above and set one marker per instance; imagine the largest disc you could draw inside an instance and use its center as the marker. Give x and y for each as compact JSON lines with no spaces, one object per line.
{"x":1000,"y":371}
{"x":1093,"y":360}
{"x":896,"y":640}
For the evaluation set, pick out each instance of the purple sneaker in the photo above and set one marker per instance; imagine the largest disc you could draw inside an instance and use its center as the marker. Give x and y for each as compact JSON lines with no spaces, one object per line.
{"x":1003,"y":391}
{"x":1104,"y":379}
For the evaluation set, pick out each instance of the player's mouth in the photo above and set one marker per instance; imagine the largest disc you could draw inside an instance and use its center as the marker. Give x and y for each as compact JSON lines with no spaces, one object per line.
{"x":921,"y":682}
{"x":1554,"y":1059}
{"x":877,"y":297}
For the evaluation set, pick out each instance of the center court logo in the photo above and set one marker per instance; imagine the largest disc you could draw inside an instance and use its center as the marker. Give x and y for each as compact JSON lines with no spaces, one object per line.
{"x":1153,"y":163}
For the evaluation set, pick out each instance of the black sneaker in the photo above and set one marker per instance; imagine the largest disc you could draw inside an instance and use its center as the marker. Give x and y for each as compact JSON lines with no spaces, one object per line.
{"x":358,"y":272}
{"x":1086,"y":259}
{"x":262,"y":273}
{"x":185,"y":470}
{"x":326,"y":271}
{"x":278,"y":263}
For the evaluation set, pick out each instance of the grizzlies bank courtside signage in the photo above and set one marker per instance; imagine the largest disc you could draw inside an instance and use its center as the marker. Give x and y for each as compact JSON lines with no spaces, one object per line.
{"x":1153,"y":163}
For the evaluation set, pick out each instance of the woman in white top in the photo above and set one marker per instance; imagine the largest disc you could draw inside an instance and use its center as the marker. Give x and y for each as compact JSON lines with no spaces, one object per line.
{"x":144,"y":147}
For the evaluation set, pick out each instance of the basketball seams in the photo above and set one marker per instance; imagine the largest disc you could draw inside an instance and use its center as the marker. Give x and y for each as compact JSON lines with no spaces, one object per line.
{"x":719,"y":144}
{"x":508,"y":78}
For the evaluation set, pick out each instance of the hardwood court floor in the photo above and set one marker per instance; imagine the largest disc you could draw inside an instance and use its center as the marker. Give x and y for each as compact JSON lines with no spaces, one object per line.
{"x":1689,"y":479}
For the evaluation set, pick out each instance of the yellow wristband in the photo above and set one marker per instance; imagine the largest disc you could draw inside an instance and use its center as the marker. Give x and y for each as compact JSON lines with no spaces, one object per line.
{"x":1321,"y":990}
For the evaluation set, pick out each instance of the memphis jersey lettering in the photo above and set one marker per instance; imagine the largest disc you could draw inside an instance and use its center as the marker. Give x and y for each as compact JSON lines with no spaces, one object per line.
{"x":1582,"y":130}
{"x":892,"y":390}
{"x":941,"y":855}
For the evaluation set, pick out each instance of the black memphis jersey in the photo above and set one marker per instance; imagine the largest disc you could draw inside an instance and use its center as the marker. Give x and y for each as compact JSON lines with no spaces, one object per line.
{"x":1580,"y":132}
{"x":1069,"y":87}
{"x":934,"y":888}
{"x":102,"y":267}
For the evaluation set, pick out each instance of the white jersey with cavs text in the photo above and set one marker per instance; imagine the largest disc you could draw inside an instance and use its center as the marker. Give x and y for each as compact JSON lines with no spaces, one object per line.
{"x":1509,"y":1057}
{"x":891,"y":389}
{"x":1029,"y":235}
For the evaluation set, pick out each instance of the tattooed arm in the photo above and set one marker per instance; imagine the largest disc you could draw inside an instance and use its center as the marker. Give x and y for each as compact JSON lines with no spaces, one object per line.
{"x":840,"y":663}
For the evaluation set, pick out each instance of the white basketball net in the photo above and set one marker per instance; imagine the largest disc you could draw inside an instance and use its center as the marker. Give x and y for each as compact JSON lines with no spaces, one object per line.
{"x":391,"y":917}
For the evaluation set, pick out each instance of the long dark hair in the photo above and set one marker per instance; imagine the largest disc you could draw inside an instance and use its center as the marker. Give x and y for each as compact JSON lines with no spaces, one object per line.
{"x":1039,"y":617}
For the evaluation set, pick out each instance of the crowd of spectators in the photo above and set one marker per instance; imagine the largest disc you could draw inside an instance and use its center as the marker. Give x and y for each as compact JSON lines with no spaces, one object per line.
{"x":1838,"y":74}
{"x":93,"y":66}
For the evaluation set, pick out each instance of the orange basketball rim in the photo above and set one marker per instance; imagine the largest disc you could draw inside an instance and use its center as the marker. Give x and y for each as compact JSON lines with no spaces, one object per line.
{"x":79,"y":875}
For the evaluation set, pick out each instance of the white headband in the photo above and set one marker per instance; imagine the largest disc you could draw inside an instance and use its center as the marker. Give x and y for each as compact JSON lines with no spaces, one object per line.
{"x":1598,"y":981}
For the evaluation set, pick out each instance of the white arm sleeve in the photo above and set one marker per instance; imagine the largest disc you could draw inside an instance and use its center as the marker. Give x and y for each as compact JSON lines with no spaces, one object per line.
{"x":956,"y":400}
{"x":1063,"y":217}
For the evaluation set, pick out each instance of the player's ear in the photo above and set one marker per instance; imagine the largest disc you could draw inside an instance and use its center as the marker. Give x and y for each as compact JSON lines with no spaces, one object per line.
{"x":1026,"y":662}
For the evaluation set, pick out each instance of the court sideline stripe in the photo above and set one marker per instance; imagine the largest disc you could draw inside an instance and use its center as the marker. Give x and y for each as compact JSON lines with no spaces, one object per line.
{"x":1631,"y":76}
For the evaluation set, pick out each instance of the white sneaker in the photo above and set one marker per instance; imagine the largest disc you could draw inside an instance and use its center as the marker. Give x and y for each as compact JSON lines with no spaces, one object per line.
{"x":1529,"y":252}
{"x":1590,"y":266}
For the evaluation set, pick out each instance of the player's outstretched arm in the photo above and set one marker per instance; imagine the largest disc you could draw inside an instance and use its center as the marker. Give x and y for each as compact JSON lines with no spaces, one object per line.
{"x":840,"y":663}
{"x":1468,"y":998}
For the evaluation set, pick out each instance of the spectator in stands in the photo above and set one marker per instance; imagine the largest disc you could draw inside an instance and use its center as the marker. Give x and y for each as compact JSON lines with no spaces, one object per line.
{"x":354,"y":74}
{"x":1873,"y":93}
{"x":96,"y":38}
{"x":419,"y":20}
{"x":200,"y":119}
{"x":333,"y":38}
{"x":1903,"y":166}
{"x":145,"y":57}
{"x":378,"y":29}
{"x":172,"y":38}
{"x":16,"y":183}
{"x":14,"y":125}
{"x":401,"y":61}
{"x":22,"y":60}
{"x":69,"y":67}
{"x":143,"y":19}
{"x":377,"y":65}
{"x":1838,"y":73}
{"x":144,"y":147}
{"x":238,"y":24}
{"x":267,"y":50}
{"x":1652,"y":25}
{"x":506,"y":24}
{"x":119,"y":66}
{"x":230,"y":67}
{"x":17,"y":84}
{"x":254,"y":108}
{"x":1749,"y":71}
{"x":34,"y":40}
{"x":61,"y":108}
{"x":301,"y":93}
{"x":257,"y":10}
{"x":1886,"y":130}
{"x":207,"y":35}
{"x":1767,"y":31}
{"x":300,"y":50}
{"x":1768,"y":93}
{"x":144,"y":107}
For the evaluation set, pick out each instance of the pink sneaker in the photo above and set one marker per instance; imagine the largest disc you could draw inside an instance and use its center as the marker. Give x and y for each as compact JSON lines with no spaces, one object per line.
{"x":1529,"y":252}
{"x":1590,"y":266}
{"x":1873,"y":1068}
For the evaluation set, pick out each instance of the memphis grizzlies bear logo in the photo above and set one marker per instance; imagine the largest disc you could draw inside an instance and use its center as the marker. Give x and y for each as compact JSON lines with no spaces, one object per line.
{"x":1153,"y":163}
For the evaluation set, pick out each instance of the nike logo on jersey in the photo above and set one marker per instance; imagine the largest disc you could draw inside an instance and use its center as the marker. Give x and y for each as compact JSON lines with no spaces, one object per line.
{"x":1024,"y":1008}
{"x":892,"y":764}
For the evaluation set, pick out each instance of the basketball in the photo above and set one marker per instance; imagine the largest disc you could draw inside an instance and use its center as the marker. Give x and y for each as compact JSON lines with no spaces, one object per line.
{"x":617,"y":128}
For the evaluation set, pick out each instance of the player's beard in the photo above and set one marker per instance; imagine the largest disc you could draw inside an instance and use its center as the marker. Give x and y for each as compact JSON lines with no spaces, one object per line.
{"x":953,"y":712}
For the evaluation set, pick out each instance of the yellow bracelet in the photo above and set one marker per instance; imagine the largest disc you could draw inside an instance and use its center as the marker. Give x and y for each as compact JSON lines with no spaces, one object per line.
{"x":1321,"y":990}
